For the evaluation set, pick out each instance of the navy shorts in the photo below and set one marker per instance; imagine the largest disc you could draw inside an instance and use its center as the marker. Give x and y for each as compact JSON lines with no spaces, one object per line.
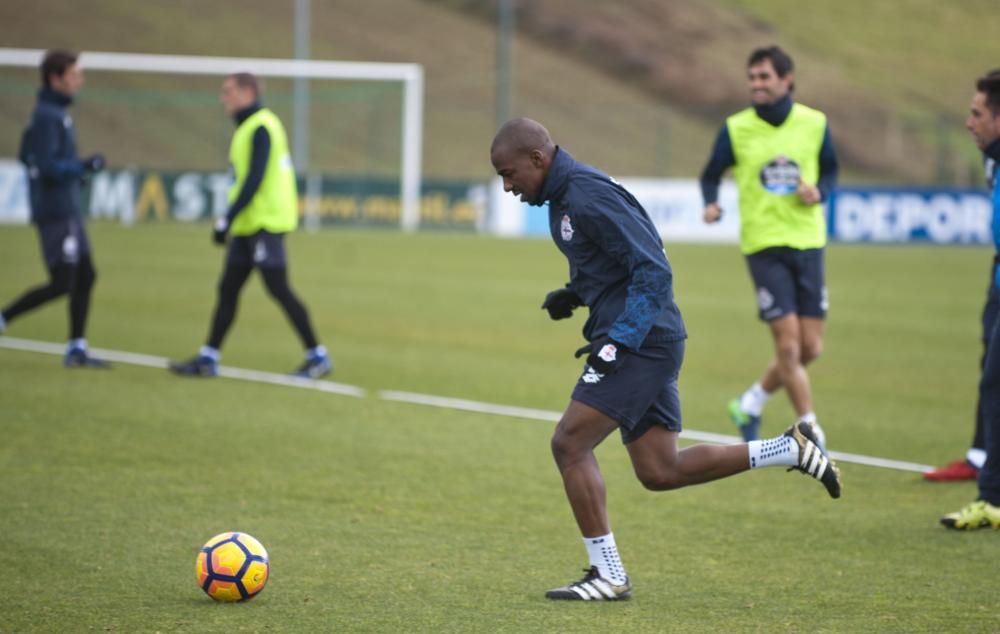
{"x":63,"y":242}
{"x":263,"y":250}
{"x":641,"y":394}
{"x":789,"y":282}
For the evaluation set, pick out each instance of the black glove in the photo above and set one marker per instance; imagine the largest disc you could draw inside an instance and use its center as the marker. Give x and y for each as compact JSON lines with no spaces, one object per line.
{"x":220,"y":229}
{"x":604,"y":355}
{"x":93,"y":163}
{"x":560,"y":303}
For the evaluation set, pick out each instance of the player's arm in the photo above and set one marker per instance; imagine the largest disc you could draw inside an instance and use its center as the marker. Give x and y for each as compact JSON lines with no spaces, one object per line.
{"x":641,"y":253}
{"x":721,"y":159}
{"x":812,"y":194}
{"x":829,"y":168}
{"x":40,"y":148}
{"x":260,"y":152}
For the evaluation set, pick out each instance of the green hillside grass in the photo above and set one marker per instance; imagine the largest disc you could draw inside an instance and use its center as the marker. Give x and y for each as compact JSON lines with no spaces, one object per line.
{"x":639,"y":88}
{"x":637,"y":134}
{"x":383,"y":517}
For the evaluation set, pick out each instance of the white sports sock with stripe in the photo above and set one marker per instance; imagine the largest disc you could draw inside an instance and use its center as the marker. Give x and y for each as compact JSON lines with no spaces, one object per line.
{"x":603,"y":553}
{"x":782,"y":451}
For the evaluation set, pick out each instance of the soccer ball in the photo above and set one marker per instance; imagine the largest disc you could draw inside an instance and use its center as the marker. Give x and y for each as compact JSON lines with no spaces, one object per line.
{"x":232,"y":567}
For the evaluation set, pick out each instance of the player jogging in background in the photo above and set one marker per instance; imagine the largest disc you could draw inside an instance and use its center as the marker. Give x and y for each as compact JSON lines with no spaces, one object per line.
{"x":785,"y":166}
{"x":263,"y":207}
{"x":48,"y":151}
{"x":984,"y":124}
{"x":619,"y":270}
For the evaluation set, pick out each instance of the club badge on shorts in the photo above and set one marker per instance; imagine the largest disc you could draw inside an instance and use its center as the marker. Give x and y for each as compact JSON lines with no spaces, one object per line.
{"x":566,"y":229}
{"x":609,"y":352}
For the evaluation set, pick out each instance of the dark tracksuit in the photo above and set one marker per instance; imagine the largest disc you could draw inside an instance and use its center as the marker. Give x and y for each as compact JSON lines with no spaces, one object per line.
{"x":991,"y":309}
{"x":55,"y":174}
{"x":989,"y":386}
{"x":619,"y":269}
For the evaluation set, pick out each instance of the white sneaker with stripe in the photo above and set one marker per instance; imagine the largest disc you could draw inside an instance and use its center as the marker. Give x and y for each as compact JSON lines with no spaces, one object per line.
{"x":813,"y":461}
{"x":592,"y":587}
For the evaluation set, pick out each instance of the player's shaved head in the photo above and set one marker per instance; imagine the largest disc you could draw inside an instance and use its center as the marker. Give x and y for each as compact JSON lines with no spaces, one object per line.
{"x":523,"y":136}
{"x":522,"y":153}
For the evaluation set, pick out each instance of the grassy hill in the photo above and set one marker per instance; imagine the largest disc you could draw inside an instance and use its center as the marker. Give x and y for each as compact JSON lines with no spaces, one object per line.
{"x":638,"y":87}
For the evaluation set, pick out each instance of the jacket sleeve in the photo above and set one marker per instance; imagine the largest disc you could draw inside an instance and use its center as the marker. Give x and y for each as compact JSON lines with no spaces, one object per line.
{"x":828,"y":166}
{"x":41,"y":148}
{"x":722,"y":158}
{"x":623,"y":237}
{"x":260,"y":152}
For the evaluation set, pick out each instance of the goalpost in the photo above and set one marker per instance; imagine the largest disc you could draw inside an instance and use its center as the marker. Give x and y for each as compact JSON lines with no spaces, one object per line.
{"x":410,"y":76}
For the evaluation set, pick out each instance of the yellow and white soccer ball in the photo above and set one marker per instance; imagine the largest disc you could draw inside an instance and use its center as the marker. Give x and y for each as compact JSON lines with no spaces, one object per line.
{"x":232,"y":567}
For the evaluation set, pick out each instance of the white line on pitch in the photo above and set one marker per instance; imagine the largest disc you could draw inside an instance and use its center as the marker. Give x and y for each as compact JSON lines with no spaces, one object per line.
{"x":702,"y":436}
{"x":479,"y":407}
{"x":150,"y":361}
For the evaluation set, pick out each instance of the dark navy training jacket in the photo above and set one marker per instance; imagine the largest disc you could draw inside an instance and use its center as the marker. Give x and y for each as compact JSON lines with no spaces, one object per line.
{"x":617,"y":264}
{"x":48,"y":150}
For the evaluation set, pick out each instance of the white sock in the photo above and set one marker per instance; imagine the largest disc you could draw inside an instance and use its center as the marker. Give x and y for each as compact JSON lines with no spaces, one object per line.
{"x":77,"y":344}
{"x":753,"y":400}
{"x":782,"y":451}
{"x":210,"y":352}
{"x":603,"y":553}
{"x":976,"y":457}
{"x":318,"y":351}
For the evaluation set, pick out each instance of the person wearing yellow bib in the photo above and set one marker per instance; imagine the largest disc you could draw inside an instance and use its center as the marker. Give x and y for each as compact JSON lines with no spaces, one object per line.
{"x":263,"y":207}
{"x":785,"y":167}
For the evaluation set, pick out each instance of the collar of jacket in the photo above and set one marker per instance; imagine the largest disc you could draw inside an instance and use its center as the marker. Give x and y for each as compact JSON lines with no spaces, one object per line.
{"x":993,"y":150}
{"x":243,"y":115}
{"x":53,"y":96}
{"x":557,"y":179}
{"x":775,"y":113}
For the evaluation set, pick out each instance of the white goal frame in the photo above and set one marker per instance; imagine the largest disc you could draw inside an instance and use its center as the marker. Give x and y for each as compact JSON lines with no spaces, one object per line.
{"x":411,"y":76}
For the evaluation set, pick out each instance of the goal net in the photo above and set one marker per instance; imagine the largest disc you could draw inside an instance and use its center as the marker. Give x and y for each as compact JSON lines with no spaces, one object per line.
{"x":355,"y":129}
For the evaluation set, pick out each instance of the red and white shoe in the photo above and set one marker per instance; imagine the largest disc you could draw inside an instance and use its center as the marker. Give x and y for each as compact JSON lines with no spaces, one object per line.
{"x":957,"y":471}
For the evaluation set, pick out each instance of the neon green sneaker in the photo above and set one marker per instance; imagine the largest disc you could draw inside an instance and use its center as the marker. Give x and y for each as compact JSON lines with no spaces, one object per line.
{"x":979,"y":514}
{"x":749,"y":425}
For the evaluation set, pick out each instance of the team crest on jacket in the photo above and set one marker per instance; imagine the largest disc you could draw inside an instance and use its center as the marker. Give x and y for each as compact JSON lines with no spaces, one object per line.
{"x":566,"y":229}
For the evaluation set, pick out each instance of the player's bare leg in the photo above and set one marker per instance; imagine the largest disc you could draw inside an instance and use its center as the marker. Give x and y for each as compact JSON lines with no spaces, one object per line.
{"x":661,"y":467}
{"x":786,"y":333}
{"x":798,"y":341}
{"x":579,"y":431}
{"x":811,"y":331}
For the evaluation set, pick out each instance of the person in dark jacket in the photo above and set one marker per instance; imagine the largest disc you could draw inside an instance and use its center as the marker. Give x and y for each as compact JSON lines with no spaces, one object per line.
{"x":618,"y":269}
{"x":55,"y":174}
{"x":983,"y":123}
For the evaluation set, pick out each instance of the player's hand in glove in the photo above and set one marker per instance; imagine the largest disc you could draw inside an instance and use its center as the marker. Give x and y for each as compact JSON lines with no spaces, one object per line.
{"x":220,"y":229}
{"x":604,"y":355}
{"x":93,"y":163}
{"x":561,"y":302}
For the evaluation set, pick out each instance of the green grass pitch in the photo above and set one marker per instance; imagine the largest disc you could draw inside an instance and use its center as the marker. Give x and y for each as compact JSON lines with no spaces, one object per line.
{"x":384,"y":517}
